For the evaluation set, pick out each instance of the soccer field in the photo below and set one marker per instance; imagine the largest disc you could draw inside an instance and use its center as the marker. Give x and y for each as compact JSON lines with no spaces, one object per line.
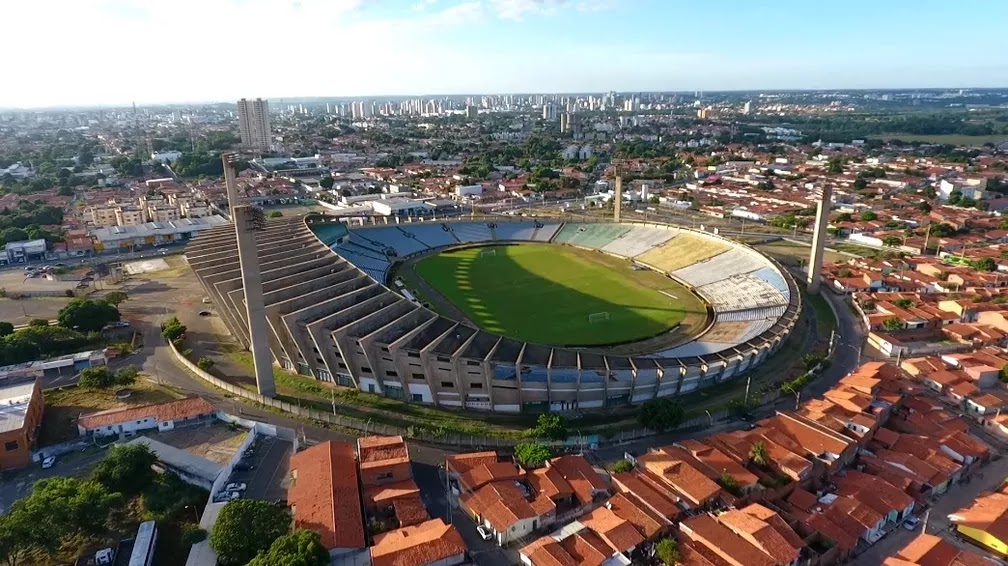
{"x":556,"y":295}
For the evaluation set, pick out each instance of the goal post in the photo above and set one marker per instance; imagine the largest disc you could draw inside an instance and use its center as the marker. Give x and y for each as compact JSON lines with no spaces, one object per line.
{"x":485,"y":253}
{"x":598,"y":317}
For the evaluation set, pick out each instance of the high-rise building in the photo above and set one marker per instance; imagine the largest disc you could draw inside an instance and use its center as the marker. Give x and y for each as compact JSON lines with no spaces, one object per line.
{"x":254,"y":123}
{"x":549,"y":112}
{"x":747,"y":107}
{"x":471,"y":111}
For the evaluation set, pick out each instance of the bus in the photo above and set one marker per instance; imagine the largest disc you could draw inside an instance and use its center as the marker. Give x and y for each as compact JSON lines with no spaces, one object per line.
{"x":143,"y":546}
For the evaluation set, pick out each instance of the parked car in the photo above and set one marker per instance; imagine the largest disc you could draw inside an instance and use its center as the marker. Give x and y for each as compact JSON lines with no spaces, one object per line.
{"x":48,"y":462}
{"x":235,"y":486}
{"x":243,"y":466}
{"x":204,"y":313}
{"x":484,"y":532}
{"x":911,"y":523}
{"x":227,"y":496}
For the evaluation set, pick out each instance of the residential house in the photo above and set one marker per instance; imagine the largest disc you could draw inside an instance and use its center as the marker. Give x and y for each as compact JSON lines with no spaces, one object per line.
{"x":21,"y":407}
{"x":431,"y":543}
{"x":191,"y":411}
{"x":324,"y":496}
{"x":932,"y":550}
{"x":985,"y":522}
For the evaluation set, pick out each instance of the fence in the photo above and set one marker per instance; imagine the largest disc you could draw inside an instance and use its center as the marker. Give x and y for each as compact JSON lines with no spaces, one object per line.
{"x":579,"y":442}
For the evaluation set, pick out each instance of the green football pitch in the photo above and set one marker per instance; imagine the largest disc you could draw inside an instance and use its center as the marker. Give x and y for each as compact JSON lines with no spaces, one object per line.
{"x":557,"y":295}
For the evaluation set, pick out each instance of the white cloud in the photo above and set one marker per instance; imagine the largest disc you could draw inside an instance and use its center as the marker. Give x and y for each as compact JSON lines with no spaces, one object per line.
{"x":519,"y":9}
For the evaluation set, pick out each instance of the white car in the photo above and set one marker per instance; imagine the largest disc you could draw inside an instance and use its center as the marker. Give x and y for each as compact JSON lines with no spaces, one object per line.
{"x":227,"y":496}
{"x":48,"y":462}
{"x":235,"y":486}
{"x":484,"y":532}
{"x":911,"y":523}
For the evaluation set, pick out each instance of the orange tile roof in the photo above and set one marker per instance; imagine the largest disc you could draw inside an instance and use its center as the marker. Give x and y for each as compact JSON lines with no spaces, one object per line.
{"x":161,"y":412}
{"x":546,"y":551}
{"x":718,"y":539}
{"x":461,"y":463}
{"x":587,"y":548}
{"x":719,"y":463}
{"x":988,"y":513}
{"x":648,"y":493}
{"x":385,"y":494}
{"x":380,"y":451}
{"x":426,"y":543}
{"x":410,"y":510}
{"x":549,"y":482}
{"x":325,"y":496}
{"x":766,"y":530}
{"x":647,"y":523}
{"x":618,"y":533}
{"x":581,"y":476}
{"x":485,"y":473}
{"x":672,"y":466}
{"x":501,"y":503}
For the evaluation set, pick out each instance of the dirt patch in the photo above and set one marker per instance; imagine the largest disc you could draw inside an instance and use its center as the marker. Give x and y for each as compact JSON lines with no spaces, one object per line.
{"x":217,"y":442}
{"x":63,"y":406}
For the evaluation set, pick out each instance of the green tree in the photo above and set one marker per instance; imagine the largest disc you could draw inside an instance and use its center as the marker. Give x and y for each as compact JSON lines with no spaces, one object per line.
{"x":892,"y":241}
{"x":1003,"y":375}
{"x":98,"y":377}
{"x":246,"y":527}
{"x":667,"y":550}
{"x":204,"y":363}
{"x":622,"y":466}
{"x":550,"y":426}
{"x":115,"y":298}
{"x":86,"y":315}
{"x":860,"y":184}
{"x":893,"y":324}
{"x":924,"y":206}
{"x":192,"y":534}
{"x":126,"y":468}
{"x":941,"y":230}
{"x":532,"y":454}
{"x":904,"y":303}
{"x":844,"y":217}
{"x":38,"y":322}
{"x":758,"y":454}
{"x":6,"y":329}
{"x":327,"y":183}
{"x":869,"y":215}
{"x":300,"y":548}
{"x":275,"y":214}
{"x":172,"y":329}
{"x":835,"y":166}
{"x":661,"y":414}
{"x":730,"y":484}
{"x":985,"y":264}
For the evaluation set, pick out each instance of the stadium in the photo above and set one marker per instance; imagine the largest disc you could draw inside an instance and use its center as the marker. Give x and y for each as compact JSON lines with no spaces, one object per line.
{"x":505,"y":314}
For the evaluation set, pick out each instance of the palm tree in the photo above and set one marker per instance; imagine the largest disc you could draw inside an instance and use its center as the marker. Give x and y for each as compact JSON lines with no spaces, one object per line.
{"x":758,"y":454}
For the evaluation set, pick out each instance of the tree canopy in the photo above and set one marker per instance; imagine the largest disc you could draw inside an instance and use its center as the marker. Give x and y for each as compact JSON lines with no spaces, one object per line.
{"x":549,"y":426}
{"x":300,"y":548}
{"x":532,"y":454}
{"x":101,"y":377}
{"x":86,"y":315}
{"x":246,"y":527}
{"x":661,"y":414}
{"x":126,"y":468}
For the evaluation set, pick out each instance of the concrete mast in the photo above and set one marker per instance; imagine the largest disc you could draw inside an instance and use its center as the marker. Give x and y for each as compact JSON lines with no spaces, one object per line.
{"x":247,"y":221}
{"x":618,"y":198}
{"x":819,"y":240}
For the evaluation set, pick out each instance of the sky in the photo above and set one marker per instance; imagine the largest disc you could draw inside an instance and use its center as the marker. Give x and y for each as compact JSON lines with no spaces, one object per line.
{"x":110,"y":52}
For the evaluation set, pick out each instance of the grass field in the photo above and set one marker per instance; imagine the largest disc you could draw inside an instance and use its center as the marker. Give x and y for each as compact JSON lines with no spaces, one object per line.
{"x":545,"y":294}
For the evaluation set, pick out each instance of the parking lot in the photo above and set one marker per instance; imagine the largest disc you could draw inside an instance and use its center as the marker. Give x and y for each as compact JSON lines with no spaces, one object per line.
{"x":270,"y":462}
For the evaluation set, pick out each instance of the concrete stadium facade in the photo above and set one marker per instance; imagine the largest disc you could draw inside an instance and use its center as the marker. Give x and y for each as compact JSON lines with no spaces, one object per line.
{"x":331,"y":317}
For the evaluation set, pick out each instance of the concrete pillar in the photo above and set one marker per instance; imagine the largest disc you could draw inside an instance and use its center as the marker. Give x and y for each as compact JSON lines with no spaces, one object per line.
{"x":248,"y":220}
{"x":819,"y":240}
{"x":228,"y":158}
{"x":618,"y":198}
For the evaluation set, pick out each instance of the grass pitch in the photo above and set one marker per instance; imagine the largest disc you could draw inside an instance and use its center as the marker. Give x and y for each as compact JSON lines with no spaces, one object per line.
{"x":545,"y":294}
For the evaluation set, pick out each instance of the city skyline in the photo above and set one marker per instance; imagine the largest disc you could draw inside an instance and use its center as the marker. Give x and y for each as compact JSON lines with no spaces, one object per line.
{"x":412,"y":47}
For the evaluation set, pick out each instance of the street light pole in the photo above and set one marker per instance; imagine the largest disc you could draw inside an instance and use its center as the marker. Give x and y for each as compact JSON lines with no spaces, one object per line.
{"x":710,"y":419}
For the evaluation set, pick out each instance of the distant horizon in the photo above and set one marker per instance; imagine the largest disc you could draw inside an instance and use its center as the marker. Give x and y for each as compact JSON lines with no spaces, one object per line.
{"x":89,"y":54}
{"x":324,"y":98}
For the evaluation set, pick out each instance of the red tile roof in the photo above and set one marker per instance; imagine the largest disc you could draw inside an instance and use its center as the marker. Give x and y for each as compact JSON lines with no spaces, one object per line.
{"x":325,"y":496}
{"x":161,"y":412}
{"x":417,"y":545}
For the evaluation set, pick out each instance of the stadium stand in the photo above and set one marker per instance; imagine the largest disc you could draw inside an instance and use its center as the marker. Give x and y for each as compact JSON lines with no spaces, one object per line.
{"x":545,"y":232}
{"x":470,"y":232}
{"x":433,"y":235}
{"x":403,"y":242}
{"x":762,"y":313}
{"x":681,"y":251}
{"x":507,"y":231}
{"x":741,"y":292}
{"x":773,"y":277}
{"x":639,"y":240}
{"x":589,"y":235}
{"x":722,"y":266}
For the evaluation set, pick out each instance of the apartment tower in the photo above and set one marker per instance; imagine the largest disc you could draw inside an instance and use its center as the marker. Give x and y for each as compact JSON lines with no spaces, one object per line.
{"x":254,"y":123}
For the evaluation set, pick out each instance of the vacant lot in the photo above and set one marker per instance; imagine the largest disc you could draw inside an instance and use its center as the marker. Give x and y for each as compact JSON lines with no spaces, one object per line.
{"x":217,"y":442}
{"x":947,"y":139}
{"x":63,"y":406}
{"x":20,"y":311}
{"x":789,"y":253}
{"x":557,"y":295}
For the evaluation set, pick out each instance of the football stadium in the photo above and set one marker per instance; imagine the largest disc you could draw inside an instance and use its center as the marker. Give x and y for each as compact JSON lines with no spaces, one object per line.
{"x":505,"y":314}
